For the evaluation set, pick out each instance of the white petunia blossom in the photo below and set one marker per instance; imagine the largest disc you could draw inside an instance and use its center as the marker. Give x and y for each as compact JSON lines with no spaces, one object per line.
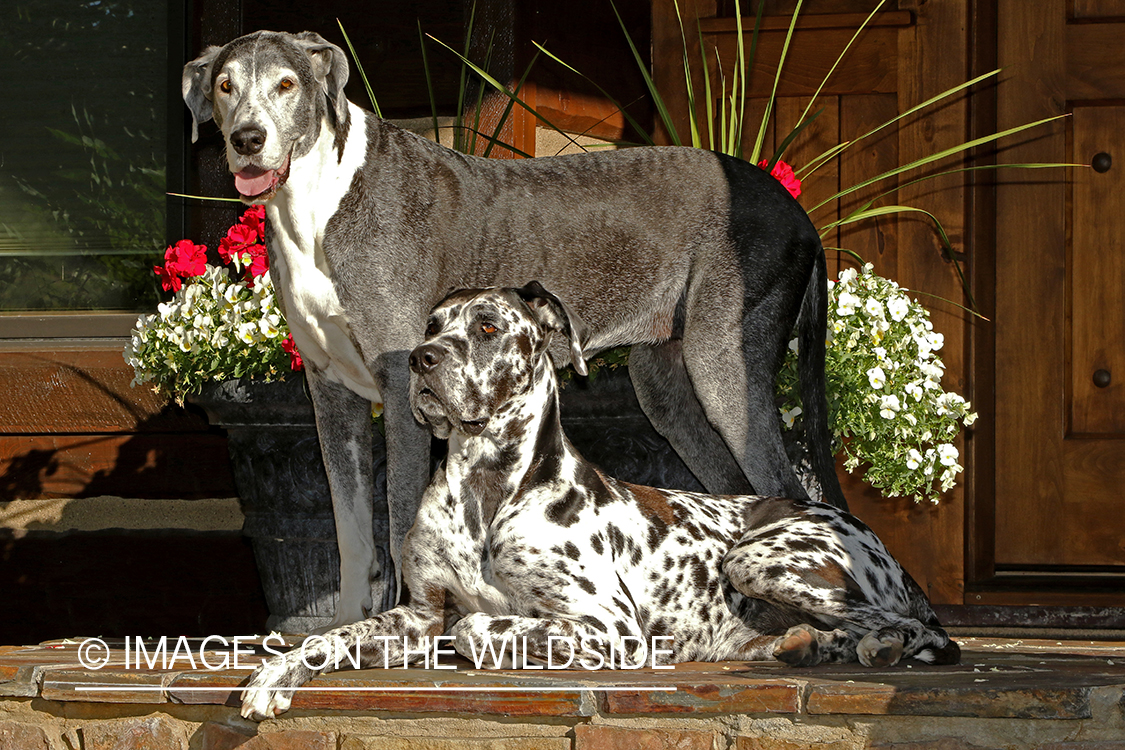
{"x":889,"y":406}
{"x":876,"y":377}
{"x":847,"y":304}
{"x":898,"y":306}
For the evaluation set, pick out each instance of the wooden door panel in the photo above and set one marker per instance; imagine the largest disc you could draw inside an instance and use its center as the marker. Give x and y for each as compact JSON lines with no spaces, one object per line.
{"x":1095,"y":61}
{"x":1060,"y":276}
{"x":1086,"y":9}
{"x":1097,"y":275}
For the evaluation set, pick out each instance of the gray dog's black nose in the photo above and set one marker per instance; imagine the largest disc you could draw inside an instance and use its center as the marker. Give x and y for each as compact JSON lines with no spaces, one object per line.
{"x":249,"y":140}
{"x":425,"y":358}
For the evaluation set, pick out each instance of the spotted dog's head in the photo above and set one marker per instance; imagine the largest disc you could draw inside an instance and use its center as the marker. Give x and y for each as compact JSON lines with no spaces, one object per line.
{"x":481,"y":351}
{"x":269,"y":93}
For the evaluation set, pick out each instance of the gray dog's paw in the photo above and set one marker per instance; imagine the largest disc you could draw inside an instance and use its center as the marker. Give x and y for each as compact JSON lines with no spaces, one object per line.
{"x":266,"y":696}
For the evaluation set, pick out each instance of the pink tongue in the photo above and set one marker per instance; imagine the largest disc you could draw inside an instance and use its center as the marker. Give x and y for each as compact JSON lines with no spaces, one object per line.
{"x":251,"y":182}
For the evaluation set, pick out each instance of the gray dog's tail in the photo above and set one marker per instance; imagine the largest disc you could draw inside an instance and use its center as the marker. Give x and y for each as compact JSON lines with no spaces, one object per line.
{"x":812,"y":330}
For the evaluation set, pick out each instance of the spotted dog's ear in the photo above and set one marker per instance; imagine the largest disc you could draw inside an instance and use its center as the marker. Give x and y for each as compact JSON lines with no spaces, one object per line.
{"x":196,"y":88}
{"x":330,"y":66}
{"x":554,"y":315}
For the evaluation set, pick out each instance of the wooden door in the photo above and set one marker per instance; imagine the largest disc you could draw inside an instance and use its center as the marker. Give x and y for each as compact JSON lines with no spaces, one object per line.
{"x":1058,"y":520}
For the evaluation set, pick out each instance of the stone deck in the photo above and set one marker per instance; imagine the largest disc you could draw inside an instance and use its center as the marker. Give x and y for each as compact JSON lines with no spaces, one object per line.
{"x":1006,"y":693}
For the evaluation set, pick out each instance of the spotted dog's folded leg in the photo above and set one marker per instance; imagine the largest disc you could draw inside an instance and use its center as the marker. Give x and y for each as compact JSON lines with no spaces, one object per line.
{"x":822,"y":563}
{"x":373,"y":643}
{"x":511,"y":641}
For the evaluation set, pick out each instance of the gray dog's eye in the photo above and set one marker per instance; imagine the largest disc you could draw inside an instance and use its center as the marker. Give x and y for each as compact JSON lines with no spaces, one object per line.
{"x":225,"y":86}
{"x":286,"y":84}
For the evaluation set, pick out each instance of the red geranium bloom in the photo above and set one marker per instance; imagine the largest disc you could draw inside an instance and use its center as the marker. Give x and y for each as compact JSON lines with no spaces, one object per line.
{"x":783,"y":173}
{"x":290,"y":347}
{"x":238,"y":238}
{"x":186,"y":259}
{"x":168,"y":278}
{"x":254,"y":218}
{"x":259,"y":263}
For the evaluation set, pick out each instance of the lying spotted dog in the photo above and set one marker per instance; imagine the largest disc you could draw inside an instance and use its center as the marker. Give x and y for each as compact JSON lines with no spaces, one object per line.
{"x":522,"y":537}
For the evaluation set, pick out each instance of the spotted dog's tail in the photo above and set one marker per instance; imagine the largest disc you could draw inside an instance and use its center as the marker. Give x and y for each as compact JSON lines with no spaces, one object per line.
{"x":936,"y":647}
{"x":811,"y":334}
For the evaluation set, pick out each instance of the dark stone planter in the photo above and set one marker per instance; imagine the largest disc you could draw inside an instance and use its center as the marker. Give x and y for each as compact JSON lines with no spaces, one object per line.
{"x":280,"y":479}
{"x":275,"y":459}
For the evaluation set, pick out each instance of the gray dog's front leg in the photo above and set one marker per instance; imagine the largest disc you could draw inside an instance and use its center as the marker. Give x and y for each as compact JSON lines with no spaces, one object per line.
{"x":408,"y":453}
{"x":343,"y":423}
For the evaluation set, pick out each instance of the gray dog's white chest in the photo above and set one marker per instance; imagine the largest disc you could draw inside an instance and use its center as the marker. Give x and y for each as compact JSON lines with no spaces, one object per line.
{"x":298,"y":217}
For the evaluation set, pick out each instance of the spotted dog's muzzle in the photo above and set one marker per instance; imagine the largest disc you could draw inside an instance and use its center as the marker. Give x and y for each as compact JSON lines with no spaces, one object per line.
{"x":441,"y":396}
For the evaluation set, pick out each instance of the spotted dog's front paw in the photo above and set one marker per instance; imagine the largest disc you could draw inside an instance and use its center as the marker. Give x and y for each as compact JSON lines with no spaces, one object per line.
{"x":881,"y":648}
{"x":266,"y":695}
{"x":473,"y":639}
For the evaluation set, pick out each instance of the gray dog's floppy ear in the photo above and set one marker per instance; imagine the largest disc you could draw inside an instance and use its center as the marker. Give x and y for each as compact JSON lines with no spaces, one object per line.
{"x":330,"y":66}
{"x":555,"y":315}
{"x":196,"y":88}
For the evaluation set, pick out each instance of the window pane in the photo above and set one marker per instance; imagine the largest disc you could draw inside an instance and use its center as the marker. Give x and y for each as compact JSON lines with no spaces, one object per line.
{"x":82,"y":153}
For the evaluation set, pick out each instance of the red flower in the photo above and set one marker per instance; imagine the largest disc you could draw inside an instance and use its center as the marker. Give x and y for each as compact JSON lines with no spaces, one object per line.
{"x":783,"y":173}
{"x":168,"y":278}
{"x":183,"y":260}
{"x":255,"y":218}
{"x":239,"y":237}
{"x":186,"y":259}
{"x":290,"y":347}
{"x":259,"y":263}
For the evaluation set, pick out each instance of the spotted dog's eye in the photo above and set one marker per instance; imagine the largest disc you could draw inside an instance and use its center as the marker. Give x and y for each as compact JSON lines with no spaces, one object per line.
{"x":286,"y":84}
{"x":225,"y":86}
{"x":487,"y":328}
{"x":432,"y":328}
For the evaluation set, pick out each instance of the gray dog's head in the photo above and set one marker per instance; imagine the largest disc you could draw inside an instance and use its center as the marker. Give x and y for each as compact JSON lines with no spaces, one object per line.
{"x":482,"y":350}
{"x":269,"y":92}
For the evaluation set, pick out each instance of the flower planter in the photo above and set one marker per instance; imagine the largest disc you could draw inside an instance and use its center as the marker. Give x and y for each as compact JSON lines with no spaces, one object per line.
{"x":280,"y":478}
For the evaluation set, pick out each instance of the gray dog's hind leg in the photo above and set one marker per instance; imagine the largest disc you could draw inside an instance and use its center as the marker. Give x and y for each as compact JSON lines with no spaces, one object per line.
{"x":667,"y":397}
{"x":742,"y":409}
{"x":343,"y":424}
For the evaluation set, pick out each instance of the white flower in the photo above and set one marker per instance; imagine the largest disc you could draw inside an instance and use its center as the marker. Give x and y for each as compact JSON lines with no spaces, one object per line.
{"x":880,"y":354}
{"x":789,"y":416}
{"x":874,"y":307}
{"x":848,"y":276}
{"x":847,"y":303}
{"x":247,"y":332}
{"x":898,"y":306}
{"x":269,"y":326}
{"x":793,"y":344}
{"x":913,"y":459}
{"x":889,"y":406}
{"x":876,"y":377}
{"x":947,"y":454}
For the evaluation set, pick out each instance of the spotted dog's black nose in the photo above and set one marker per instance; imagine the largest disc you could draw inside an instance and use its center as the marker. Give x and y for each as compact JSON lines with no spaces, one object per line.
{"x":425,"y":358}
{"x":248,"y":140}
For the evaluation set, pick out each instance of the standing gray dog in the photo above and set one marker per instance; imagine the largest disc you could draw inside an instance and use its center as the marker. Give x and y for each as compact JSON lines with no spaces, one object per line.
{"x":702,"y":262}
